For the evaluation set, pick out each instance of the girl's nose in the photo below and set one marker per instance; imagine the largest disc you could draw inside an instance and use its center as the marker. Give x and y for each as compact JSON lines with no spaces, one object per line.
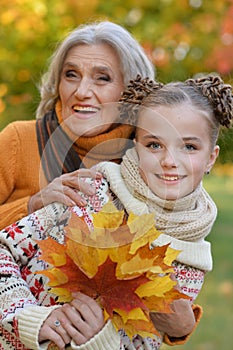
{"x":168,"y":159}
{"x":84,"y":90}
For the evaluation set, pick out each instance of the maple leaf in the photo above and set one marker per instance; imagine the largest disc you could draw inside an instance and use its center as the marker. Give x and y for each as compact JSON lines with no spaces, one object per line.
{"x":104,"y":287}
{"x":52,"y":251}
{"x":156,"y":287}
{"x":162,"y":304}
{"x":147,"y":260}
{"x":114,"y":263}
{"x":103,"y":236}
{"x":109,"y":217}
{"x":134,"y":322}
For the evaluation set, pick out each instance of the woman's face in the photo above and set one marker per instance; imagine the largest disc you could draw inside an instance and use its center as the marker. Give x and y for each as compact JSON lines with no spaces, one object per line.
{"x":173,"y":145}
{"x":91,"y":79}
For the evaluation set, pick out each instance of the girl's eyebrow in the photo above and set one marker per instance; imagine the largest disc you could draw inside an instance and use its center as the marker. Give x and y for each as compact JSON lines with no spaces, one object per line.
{"x":185,"y":139}
{"x":151,"y":136}
{"x":192,"y":138}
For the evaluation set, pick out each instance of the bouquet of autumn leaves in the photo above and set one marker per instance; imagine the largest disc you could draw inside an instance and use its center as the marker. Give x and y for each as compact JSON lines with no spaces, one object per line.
{"x":114,"y":264}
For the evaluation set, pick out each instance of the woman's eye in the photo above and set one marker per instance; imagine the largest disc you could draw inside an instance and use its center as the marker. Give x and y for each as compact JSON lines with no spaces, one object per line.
{"x":103,"y":77}
{"x":70,"y":74}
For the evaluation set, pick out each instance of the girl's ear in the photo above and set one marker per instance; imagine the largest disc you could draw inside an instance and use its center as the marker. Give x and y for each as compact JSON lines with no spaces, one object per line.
{"x":134,"y":141}
{"x":213,"y":156}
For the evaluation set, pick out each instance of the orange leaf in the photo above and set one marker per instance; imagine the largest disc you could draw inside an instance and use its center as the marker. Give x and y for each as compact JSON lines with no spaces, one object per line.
{"x":162,"y":304}
{"x":52,"y":252}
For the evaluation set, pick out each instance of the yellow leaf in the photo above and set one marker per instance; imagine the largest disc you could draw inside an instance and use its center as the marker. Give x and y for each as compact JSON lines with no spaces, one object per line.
{"x":159,"y":286}
{"x":171,"y":255}
{"x":87,"y":258}
{"x":64,"y":296}
{"x":146,"y":239}
{"x":136,"y":314}
{"x":109,"y":217}
{"x":145,"y":328}
{"x":137,"y":266}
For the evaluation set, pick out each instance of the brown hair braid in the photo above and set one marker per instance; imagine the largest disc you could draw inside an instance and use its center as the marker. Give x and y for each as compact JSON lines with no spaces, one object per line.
{"x":219,"y":95}
{"x":133,"y":96}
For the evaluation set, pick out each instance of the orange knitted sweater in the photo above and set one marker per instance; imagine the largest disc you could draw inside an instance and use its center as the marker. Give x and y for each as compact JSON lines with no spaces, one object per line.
{"x":21,"y":174}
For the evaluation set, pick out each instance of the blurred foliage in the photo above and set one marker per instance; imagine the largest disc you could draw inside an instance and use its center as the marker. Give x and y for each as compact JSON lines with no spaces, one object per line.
{"x":182,"y":37}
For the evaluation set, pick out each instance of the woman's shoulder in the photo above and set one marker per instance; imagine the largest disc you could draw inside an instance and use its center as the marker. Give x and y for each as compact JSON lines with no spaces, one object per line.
{"x":20,"y":126}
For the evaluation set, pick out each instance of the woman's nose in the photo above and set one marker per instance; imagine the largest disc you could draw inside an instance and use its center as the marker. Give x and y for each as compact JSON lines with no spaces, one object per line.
{"x":84,"y":90}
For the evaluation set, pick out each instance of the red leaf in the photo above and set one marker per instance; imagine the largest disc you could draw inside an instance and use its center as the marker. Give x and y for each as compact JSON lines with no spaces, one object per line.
{"x":111,"y":292}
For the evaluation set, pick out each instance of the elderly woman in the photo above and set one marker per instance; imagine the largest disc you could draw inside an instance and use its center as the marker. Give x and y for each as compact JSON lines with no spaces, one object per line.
{"x":76,"y":127}
{"x":90,"y":69}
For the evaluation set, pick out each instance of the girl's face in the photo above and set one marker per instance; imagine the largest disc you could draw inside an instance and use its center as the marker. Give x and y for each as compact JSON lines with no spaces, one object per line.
{"x":91,"y":78}
{"x":174,"y":150}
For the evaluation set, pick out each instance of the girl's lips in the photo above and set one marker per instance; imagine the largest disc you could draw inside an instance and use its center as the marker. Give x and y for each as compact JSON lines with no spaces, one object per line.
{"x":170,"y":177}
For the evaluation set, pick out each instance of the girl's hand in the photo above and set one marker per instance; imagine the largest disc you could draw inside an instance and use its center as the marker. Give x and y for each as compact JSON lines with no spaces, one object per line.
{"x":179,"y":322}
{"x":64,"y":189}
{"x":78,"y":320}
{"x":55,"y":333}
{"x":85,"y":318}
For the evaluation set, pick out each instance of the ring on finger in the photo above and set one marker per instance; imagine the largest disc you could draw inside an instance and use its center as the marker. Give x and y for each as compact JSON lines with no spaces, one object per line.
{"x":57,"y":323}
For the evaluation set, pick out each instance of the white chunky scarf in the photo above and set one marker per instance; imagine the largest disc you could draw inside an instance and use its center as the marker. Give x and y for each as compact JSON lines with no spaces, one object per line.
{"x":189,"y":219}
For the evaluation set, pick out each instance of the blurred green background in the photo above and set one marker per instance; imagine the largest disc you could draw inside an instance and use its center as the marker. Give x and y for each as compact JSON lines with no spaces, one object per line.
{"x":183,"y":38}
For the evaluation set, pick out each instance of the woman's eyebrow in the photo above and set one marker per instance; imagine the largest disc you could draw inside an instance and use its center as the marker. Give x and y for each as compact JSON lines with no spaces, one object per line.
{"x":97,"y":68}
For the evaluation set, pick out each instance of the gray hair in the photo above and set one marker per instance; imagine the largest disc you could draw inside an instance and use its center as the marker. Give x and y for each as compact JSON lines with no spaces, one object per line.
{"x":133,"y":59}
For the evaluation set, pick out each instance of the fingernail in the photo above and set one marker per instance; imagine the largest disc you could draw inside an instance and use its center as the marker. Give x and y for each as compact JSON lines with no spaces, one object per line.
{"x":98,"y":175}
{"x":82,"y":201}
{"x":70,"y":203}
{"x":91,"y":191}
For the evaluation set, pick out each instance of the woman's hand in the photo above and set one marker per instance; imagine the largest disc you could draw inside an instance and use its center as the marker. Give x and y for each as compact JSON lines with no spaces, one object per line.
{"x":79,"y":321}
{"x":64,"y":189}
{"x":178,"y":323}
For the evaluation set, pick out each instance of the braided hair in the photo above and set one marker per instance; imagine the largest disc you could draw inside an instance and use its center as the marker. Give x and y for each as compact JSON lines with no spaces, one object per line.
{"x":208,"y":94}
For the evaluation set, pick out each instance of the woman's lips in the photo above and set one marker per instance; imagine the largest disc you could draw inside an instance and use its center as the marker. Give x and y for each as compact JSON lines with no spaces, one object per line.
{"x":85,"y":109}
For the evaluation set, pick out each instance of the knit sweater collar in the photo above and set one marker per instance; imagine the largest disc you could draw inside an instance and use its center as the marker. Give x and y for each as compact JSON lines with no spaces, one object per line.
{"x":110,"y":145}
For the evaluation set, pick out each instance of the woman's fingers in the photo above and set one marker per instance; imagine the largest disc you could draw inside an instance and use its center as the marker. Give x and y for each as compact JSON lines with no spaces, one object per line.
{"x":76,"y":180}
{"x":64,"y":189}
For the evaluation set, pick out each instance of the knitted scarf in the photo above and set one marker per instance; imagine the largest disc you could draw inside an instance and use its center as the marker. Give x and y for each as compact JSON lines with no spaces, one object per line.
{"x":189,"y":218}
{"x":61,"y":151}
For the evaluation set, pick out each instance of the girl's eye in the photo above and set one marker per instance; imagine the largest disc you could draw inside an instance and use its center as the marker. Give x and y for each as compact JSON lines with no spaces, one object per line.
{"x":154,"y":145}
{"x":190,"y":147}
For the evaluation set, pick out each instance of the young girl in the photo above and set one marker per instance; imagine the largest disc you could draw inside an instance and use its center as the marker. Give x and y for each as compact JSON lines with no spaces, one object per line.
{"x":176,"y":135}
